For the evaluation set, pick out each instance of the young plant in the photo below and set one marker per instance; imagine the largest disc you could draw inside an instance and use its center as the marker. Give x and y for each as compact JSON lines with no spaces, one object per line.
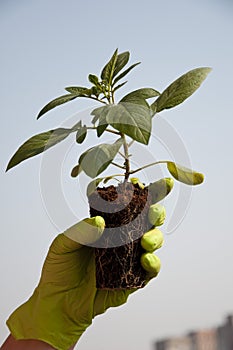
{"x":129,"y":120}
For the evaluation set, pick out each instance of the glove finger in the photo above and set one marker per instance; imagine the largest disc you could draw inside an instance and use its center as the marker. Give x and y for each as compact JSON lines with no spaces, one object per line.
{"x":63,"y":244}
{"x":86,"y":231}
{"x":151,"y":263}
{"x":109,"y":298}
{"x":67,"y":263}
{"x":136,"y":181}
{"x":152,"y":240}
{"x":160,"y":189}
{"x":157,"y":214}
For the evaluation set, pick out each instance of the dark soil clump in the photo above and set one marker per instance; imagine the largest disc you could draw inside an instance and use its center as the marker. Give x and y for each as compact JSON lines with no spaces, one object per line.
{"x":117,"y":253}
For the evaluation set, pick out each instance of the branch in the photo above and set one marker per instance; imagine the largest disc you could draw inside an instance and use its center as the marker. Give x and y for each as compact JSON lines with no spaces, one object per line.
{"x":118,"y":165}
{"x":148,"y":165}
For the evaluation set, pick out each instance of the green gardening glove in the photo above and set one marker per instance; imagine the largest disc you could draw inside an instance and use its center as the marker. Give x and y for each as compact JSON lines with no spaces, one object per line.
{"x":66,"y":299}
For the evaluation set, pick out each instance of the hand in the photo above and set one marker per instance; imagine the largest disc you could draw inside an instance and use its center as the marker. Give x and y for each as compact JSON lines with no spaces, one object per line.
{"x":66,"y":299}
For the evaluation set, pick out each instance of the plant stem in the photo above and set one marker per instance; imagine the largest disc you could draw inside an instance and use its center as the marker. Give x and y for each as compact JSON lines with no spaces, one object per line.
{"x":112,"y":95}
{"x":131,"y":142}
{"x":126,"y":151}
{"x":108,"y":130}
{"x":147,"y":166}
{"x":97,"y":99}
{"x":113,"y":132}
{"x":118,"y":165}
{"x":123,"y":156}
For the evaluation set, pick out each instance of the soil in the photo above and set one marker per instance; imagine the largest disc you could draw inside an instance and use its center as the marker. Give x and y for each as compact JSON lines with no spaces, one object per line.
{"x":125,"y":210}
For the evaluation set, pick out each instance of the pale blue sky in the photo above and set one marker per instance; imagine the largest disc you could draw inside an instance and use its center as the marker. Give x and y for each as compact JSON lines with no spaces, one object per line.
{"x":47,"y":45}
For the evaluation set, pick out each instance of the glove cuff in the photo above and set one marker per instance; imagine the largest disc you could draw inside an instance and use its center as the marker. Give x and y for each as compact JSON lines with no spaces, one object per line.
{"x":29,"y":322}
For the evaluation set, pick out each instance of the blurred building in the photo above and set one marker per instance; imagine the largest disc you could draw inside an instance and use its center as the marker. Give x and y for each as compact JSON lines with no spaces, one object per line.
{"x":181,"y":343}
{"x":225,"y":334}
{"x":204,"y":340}
{"x":222,"y":339}
{"x":219,"y":338}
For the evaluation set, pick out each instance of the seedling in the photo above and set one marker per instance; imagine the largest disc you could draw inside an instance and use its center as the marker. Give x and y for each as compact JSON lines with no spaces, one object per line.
{"x":129,"y":120}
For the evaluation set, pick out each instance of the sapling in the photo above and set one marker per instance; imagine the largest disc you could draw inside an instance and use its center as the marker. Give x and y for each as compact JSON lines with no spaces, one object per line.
{"x":126,"y":208}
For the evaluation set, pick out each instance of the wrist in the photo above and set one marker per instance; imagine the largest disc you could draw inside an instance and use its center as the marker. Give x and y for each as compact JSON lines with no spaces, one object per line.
{"x":25,"y":344}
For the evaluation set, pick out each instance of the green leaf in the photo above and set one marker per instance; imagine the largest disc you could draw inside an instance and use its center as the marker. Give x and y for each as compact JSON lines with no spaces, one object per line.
{"x":94,"y":120}
{"x":77,"y":125}
{"x":100,"y":114}
{"x":81,"y":134}
{"x":114,"y":66}
{"x":122,"y":60}
{"x":76,"y":170}
{"x":139,"y":96}
{"x":108,"y":178}
{"x":131,"y":119}
{"x":38,"y":144}
{"x":56,"y":102}
{"x":180,"y":89}
{"x":119,"y":86}
{"x":97,"y":113}
{"x":95,"y":91}
{"x":185,"y":175}
{"x":95,"y":160}
{"x":80,"y":90}
{"x":93,"y":185}
{"x":124,"y":73}
{"x":107,"y":72}
{"x":93,"y":79}
{"x":102,"y":126}
{"x":143,"y":93}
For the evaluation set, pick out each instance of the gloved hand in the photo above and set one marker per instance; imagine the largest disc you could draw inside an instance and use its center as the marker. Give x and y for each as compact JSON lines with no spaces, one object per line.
{"x":66,"y":299}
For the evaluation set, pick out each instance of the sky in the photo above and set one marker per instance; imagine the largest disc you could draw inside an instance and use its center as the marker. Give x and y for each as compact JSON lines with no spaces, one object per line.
{"x":48,"y":45}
